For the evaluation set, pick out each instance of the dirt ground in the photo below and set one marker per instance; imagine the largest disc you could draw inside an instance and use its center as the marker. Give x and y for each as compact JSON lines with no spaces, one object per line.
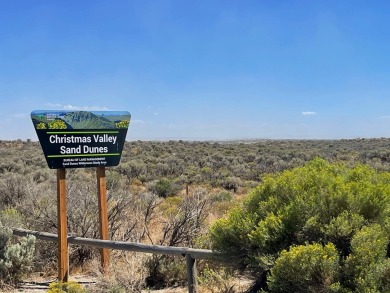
{"x":40,"y":284}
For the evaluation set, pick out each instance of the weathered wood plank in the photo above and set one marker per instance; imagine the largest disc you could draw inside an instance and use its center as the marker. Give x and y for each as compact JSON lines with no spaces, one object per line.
{"x":191,"y":274}
{"x":128,"y":246}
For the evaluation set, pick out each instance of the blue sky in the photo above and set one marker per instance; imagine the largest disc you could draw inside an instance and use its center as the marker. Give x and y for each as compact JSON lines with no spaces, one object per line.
{"x":200,"y":69}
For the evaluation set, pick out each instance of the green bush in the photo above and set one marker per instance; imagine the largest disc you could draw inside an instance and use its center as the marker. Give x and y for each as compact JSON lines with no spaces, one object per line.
{"x":164,"y":188}
{"x":222,"y":196}
{"x":231,"y":183}
{"x":217,"y":279}
{"x":15,"y":258}
{"x":318,"y":203}
{"x":367,"y":267}
{"x":306,"y":268}
{"x":69,"y":287}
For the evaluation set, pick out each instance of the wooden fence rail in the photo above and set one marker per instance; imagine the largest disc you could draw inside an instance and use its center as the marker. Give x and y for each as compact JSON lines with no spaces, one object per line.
{"x":190,"y":254}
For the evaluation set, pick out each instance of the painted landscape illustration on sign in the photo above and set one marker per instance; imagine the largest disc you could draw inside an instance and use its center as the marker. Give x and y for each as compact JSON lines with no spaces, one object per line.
{"x":81,"y":139}
{"x":44,"y":119}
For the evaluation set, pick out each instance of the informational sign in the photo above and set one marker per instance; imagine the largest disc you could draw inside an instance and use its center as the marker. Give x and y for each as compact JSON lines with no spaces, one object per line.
{"x":81,"y":139}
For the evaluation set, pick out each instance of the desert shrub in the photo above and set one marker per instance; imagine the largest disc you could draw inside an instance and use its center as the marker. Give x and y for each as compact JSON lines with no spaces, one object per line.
{"x":10,"y":217}
{"x":165,"y":271}
{"x":127,"y":273}
{"x":164,"y":187}
{"x":69,"y":287}
{"x":184,"y":224}
{"x":133,"y":169}
{"x":15,"y":257}
{"x":113,"y":180}
{"x":12,"y":190}
{"x":318,"y":203}
{"x":222,"y":202}
{"x":341,"y":229}
{"x":222,"y":196}
{"x":231,"y":183}
{"x":217,"y":279}
{"x":306,"y":268}
{"x":367,"y":267}
{"x":185,"y":221}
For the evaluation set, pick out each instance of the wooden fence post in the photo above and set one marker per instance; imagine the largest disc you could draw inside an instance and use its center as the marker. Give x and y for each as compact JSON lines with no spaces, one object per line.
{"x":191,"y":274}
{"x":63,"y":258}
{"x":103,"y":216}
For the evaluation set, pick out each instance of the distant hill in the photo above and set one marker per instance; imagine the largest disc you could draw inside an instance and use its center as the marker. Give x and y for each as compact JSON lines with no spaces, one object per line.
{"x":87,"y":120}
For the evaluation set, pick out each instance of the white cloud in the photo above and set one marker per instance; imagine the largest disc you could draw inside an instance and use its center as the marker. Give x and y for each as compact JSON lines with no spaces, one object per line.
{"x":76,"y":108}
{"x":309,"y":113}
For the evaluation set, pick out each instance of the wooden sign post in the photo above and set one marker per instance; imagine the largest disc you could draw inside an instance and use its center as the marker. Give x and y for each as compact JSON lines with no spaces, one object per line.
{"x":63,"y":258}
{"x":103,"y":216}
{"x":81,"y":139}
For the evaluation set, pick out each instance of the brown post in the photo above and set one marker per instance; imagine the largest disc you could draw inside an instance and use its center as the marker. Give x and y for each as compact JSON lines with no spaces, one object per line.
{"x":103,"y":216}
{"x":63,"y":259}
{"x":191,"y":274}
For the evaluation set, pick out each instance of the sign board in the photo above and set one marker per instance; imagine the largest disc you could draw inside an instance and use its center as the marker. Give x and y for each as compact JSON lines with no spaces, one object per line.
{"x":80,"y":139}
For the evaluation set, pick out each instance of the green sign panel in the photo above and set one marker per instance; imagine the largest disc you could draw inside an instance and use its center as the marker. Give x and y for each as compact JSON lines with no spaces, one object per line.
{"x":81,"y":139}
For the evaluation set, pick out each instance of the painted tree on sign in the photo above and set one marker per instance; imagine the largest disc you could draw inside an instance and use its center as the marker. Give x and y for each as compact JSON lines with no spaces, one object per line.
{"x":57,"y":124}
{"x":122,"y":124}
{"x":41,"y":125}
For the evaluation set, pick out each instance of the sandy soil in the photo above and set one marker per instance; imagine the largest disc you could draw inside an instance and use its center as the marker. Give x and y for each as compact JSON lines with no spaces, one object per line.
{"x":40,"y":284}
